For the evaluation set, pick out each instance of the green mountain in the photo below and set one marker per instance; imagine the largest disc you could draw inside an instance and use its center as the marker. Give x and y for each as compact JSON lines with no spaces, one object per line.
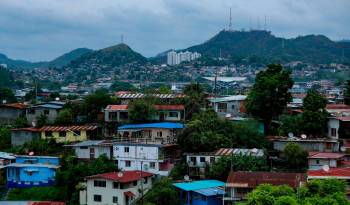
{"x":265,"y":46}
{"x":19,"y":64}
{"x":117,"y":55}
{"x":66,"y":58}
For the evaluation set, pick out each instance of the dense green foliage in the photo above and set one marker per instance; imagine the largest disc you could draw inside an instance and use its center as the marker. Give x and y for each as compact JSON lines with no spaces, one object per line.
{"x":291,"y":124}
{"x":65,"y":117}
{"x":194,"y":100}
{"x":94,"y":103}
{"x":295,"y":156}
{"x":66,"y":58}
{"x":220,"y":169}
{"x":117,"y":55}
{"x":38,"y":194}
{"x":5,"y":137}
{"x":270,"y":94}
{"x":314,"y":117}
{"x":315,"y":192}
{"x":7,"y":95}
{"x":162,"y":192}
{"x":261,"y":46}
{"x":122,"y":86}
{"x":141,"y":110}
{"x":207,"y":132}
{"x":347,"y":93}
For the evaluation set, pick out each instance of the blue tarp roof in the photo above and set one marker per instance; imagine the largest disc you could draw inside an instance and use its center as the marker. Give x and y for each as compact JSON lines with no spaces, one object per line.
{"x":196,"y":185}
{"x":164,"y":125}
{"x":210,"y":191}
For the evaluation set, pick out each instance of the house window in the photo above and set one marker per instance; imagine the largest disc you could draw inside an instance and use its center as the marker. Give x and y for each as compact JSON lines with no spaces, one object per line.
{"x":135,"y":183}
{"x":98,"y":183}
{"x":48,"y":133}
{"x":46,"y":112}
{"x":127,"y":163}
{"x":77,"y":133}
{"x":202,"y":159}
{"x":145,"y":180}
{"x":222,"y":107}
{"x":62,"y":134}
{"x":159,"y":134}
{"x":333,"y":132}
{"x":126,"y":149}
{"x":173,"y":114}
{"x":97,"y":197}
{"x":232,"y":107}
{"x":317,"y":161}
{"x":115,"y":199}
{"x":115,"y":185}
{"x":152,"y":165}
{"x":84,"y":147}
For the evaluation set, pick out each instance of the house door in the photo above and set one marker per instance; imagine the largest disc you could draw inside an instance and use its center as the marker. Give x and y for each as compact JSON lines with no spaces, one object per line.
{"x":161,"y":116}
{"x":92,"y":153}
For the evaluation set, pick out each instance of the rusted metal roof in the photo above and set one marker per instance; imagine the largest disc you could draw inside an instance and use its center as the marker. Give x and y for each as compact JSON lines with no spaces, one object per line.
{"x":253,"y":179}
{"x":68,"y":128}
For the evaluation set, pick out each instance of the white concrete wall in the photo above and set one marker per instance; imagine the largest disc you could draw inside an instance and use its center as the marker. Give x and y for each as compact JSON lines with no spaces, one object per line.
{"x":321,"y":162}
{"x":85,"y":153}
{"x":108,"y":192}
{"x":198,"y":157}
{"x":333,"y":123}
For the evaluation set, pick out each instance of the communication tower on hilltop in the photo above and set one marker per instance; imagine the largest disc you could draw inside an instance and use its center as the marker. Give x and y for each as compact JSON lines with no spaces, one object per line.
{"x":230,"y":23}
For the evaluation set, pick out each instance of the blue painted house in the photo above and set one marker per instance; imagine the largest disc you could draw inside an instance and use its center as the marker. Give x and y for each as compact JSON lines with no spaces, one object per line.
{"x":204,"y":192}
{"x":29,"y":171}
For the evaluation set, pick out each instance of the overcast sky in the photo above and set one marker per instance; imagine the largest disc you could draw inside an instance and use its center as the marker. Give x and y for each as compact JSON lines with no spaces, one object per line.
{"x":44,"y":29}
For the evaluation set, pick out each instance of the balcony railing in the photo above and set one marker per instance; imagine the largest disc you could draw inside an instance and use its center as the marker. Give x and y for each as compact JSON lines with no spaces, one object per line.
{"x":151,"y":140}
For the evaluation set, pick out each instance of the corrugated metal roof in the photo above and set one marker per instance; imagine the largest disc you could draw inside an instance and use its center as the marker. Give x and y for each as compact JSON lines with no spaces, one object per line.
{"x":87,"y":143}
{"x":123,"y":177}
{"x":161,"y":125}
{"x":253,"y":179}
{"x":197,"y":185}
{"x":332,"y":172}
{"x":142,"y":95}
{"x":237,"y":151}
{"x":210,"y":191}
{"x":325,"y":155}
{"x":157,"y":107}
{"x":68,"y":128}
{"x":229,"y":98}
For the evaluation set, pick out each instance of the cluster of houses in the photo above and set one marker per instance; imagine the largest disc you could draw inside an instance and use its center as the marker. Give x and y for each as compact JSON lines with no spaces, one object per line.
{"x":144,"y":152}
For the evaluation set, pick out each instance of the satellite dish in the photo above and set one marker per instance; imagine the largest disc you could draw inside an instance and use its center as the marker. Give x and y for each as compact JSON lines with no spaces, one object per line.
{"x":31,"y":153}
{"x":4,"y":101}
{"x":325,"y":168}
{"x":57,"y":99}
{"x":120,"y":174}
{"x":33,"y":124}
{"x":254,"y":150}
{"x":342,"y":148}
{"x":303,"y":136}
{"x":290,"y":135}
{"x":228,"y":115}
{"x":186,"y":178}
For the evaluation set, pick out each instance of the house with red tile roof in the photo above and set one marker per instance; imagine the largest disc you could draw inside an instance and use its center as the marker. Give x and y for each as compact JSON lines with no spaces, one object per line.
{"x":317,"y":160}
{"x":121,"y":188}
{"x":10,"y":112}
{"x":338,"y":173}
{"x":242,"y":182}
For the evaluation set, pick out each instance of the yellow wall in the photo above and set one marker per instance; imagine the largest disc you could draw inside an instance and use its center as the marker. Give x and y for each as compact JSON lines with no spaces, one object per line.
{"x":70,"y":137}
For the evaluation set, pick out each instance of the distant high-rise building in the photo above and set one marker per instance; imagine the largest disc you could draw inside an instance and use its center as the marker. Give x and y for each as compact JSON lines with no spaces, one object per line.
{"x":174,"y":58}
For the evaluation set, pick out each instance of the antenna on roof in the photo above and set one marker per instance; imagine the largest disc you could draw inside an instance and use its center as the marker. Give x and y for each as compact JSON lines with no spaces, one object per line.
{"x":230,"y":23}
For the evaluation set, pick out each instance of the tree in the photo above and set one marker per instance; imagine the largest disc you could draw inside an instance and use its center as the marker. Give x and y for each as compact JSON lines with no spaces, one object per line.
{"x":141,"y":110}
{"x":269,"y":95}
{"x":314,"y":115}
{"x":21,"y":122}
{"x":7,"y":95}
{"x":5,"y":137}
{"x":290,"y":124}
{"x":207,"y":132}
{"x":162,"y":192}
{"x":94,"y":103}
{"x":194,"y":100}
{"x":122,"y":86}
{"x":220,"y":169}
{"x":347,"y":93}
{"x":295,"y":156}
{"x":65,"y":117}
{"x":41,"y":120}
{"x":318,"y":192}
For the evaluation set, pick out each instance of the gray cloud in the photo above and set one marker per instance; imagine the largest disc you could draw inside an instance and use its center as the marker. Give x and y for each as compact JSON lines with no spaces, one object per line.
{"x":44,"y":29}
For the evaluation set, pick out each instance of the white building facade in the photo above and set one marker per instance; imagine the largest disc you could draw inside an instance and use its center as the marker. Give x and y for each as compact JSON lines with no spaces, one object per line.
{"x":174,"y":58}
